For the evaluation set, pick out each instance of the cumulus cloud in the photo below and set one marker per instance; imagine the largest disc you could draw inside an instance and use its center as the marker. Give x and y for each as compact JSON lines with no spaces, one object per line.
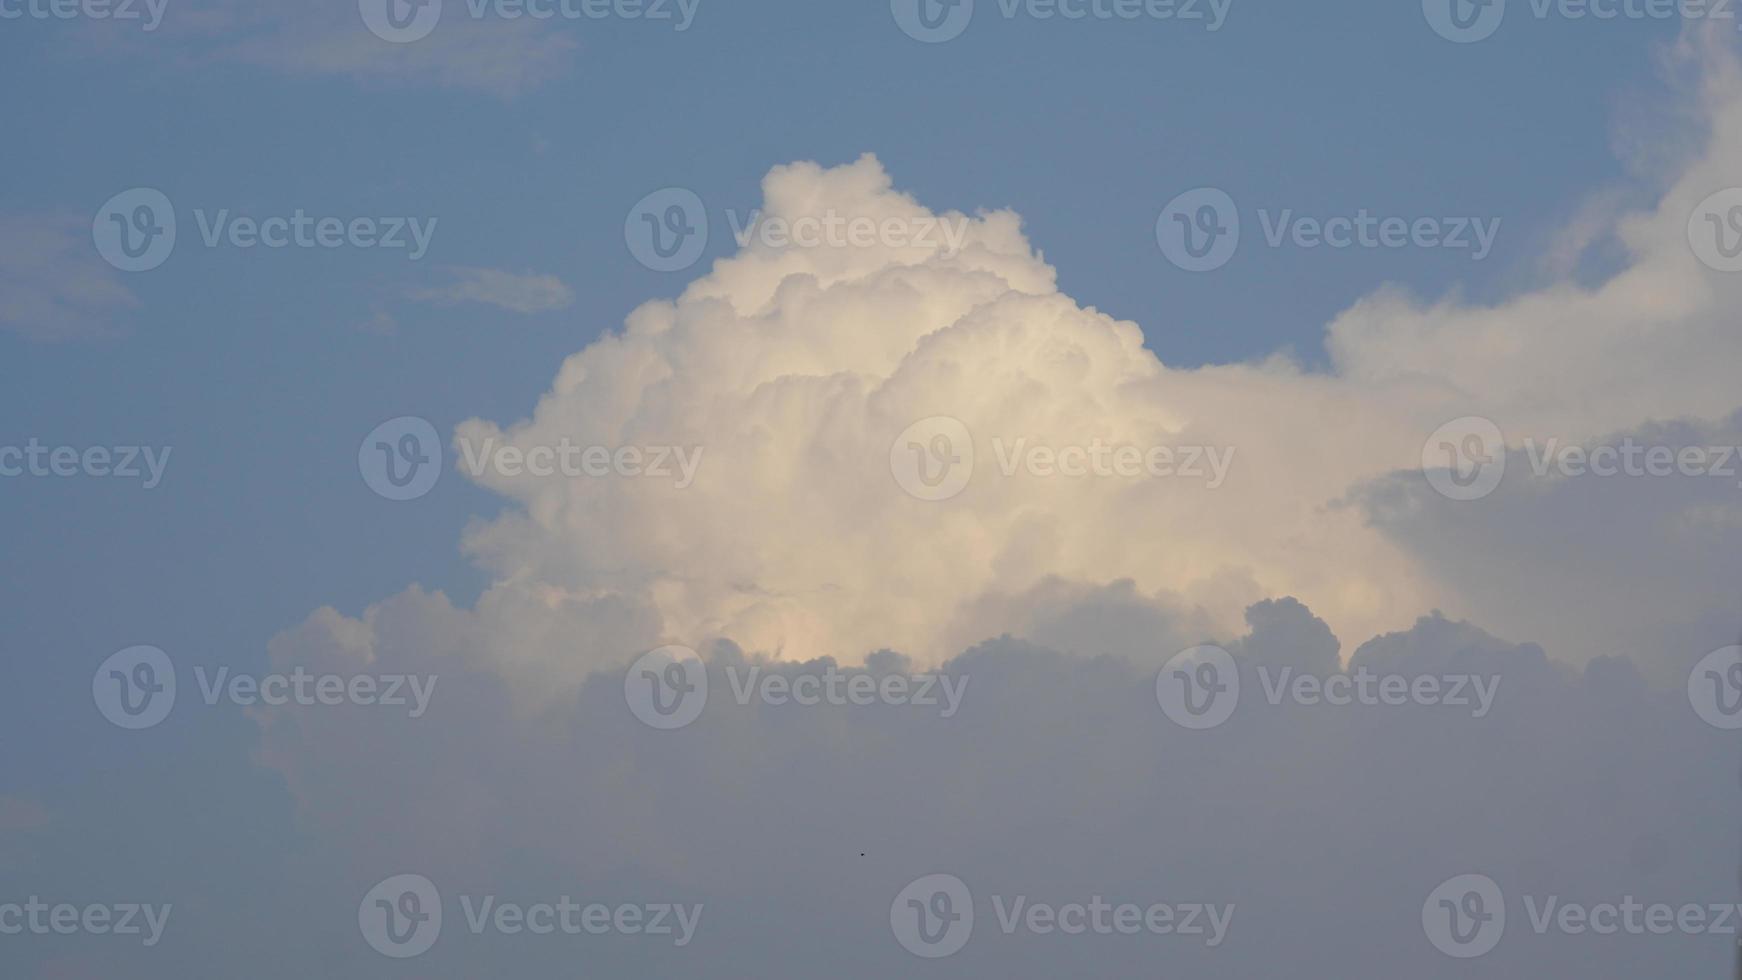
{"x":796,"y":369}
{"x":515,"y":292}
{"x":1059,"y":779}
{"x":1320,"y":554}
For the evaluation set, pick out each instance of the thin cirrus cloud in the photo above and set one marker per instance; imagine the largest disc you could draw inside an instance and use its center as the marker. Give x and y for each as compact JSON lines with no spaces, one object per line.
{"x":53,"y":285}
{"x":500,"y":57}
{"x":512,"y":291}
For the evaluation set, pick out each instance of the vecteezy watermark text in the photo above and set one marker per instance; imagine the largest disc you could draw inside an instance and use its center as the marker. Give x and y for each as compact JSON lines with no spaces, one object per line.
{"x":136,"y":688}
{"x":1469,"y":21}
{"x":111,"y":462}
{"x":1200,"y":687}
{"x":1466,"y":916}
{"x":933,"y":917}
{"x":136,"y":230}
{"x":401,"y":459}
{"x":1465,"y":459}
{"x":572,"y":460}
{"x":405,"y":21}
{"x":667,"y":230}
{"x":668,"y":687}
{"x":1200,"y":230}
{"x":401,"y":917}
{"x":148,"y":11}
{"x":937,"y":21}
{"x":40,"y":918}
{"x":933,"y":459}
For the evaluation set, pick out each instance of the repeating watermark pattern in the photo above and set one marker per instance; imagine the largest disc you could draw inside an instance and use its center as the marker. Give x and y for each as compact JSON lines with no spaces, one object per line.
{"x":832,"y":229}
{"x":570,"y":460}
{"x":303,"y":689}
{"x":405,"y":21}
{"x":1199,"y":231}
{"x":401,"y":459}
{"x":1199,"y":688}
{"x":1715,"y":688}
{"x":131,"y":919}
{"x":937,"y":21}
{"x":135,"y":231}
{"x":667,"y":688}
{"x":933,"y":459}
{"x":1125,"y":461}
{"x":933,"y":917}
{"x":301,"y":230}
{"x":33,"y":459}
{"x":148,"y":13}
{"x":135,"y":688}
{"x":1469,"y":21}
{"x":837,"y":688}
{"x":1465,"y":459}
{"x":667,"y":230}
{"x":1465,"y":917}
{"x":1629,"y":458}
{"x":401,"y":917}
{"x":1715,"y":230}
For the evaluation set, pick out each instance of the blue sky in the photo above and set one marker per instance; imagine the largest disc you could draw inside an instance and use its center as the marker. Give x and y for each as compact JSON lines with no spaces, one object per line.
{"x":263,"y":369}
{"x":253,"y":367}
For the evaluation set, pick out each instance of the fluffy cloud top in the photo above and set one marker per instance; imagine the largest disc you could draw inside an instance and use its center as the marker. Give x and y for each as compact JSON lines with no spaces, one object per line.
{"x":795,"y":369}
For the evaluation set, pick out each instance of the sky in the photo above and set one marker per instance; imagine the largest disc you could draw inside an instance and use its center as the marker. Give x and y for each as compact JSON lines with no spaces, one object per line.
{"x":1027,"y":438}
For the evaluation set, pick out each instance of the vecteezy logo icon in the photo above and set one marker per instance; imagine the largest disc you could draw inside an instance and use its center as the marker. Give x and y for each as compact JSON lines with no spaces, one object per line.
{"x":1199,"y":688}
{"x":135,"y":688}
{"x":1464,"y":21}
{"x":667,"y":230}
{"x":1465,"y":459}
{"x":1465,"y":916}
{"x":135,"y":230}
{"x":401,"y":917}
{"x":667,"y":688}
{"x":1715,"y":688}
{"x":933,"y":459}
{"x":1199,"y":230}
{"x":933,"y":917}
{"x":932,"y":21}
{"x":1715,"y":230}
{"x":401,"y":458}
{"x":400,"y":21}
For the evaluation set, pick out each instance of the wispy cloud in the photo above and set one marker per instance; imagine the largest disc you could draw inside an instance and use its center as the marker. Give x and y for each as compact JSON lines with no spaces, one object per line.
{"x":517,"y":292}
{"x":500,"y":57}
{"x":53,"y":285}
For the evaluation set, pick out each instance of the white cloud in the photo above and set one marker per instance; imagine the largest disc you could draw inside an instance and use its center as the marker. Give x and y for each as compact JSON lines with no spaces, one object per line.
{"x":797,"y":368}
{"x":1061,"y":778}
